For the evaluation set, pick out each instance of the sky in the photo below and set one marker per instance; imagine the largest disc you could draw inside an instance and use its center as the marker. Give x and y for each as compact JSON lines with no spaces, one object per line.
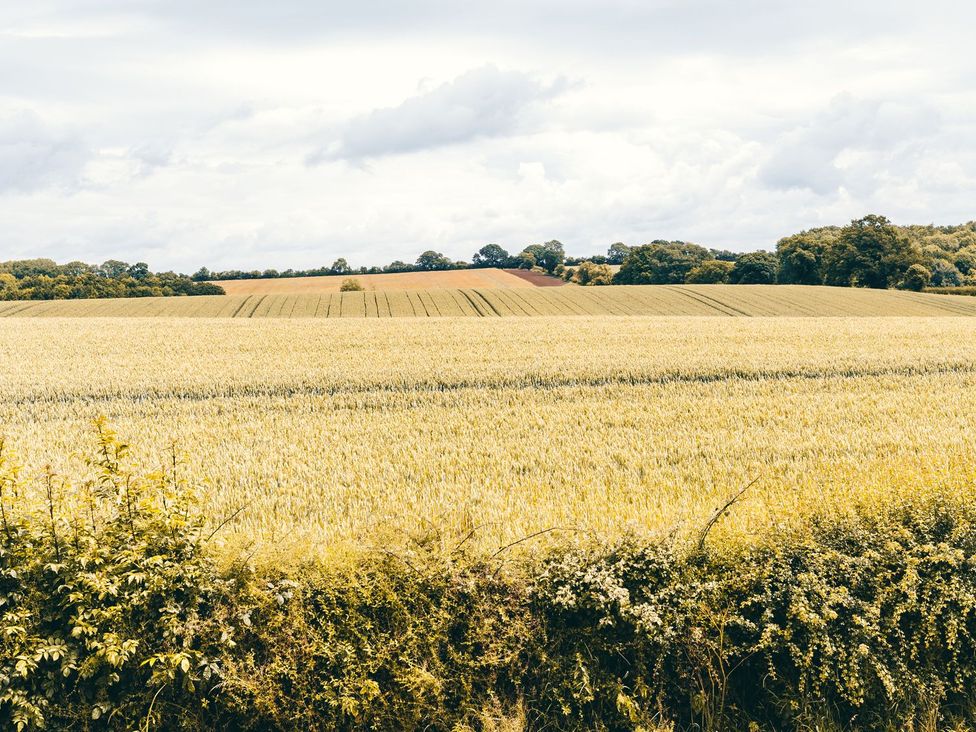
{"x":248,"y":134}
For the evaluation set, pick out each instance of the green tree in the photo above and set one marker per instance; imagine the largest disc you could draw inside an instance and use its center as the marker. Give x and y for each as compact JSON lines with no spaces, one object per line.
{"x":548,"y":256}
{"x":139,"y":271}
{"x":526,"y":260}
{"x":711,"y":272}
{"x":660,"y":263}
{"x":617,"y":253}
{"x":113,"y":268}
{"x":801,"y":256}
{"x":916,"y":278}
{"x":965,"y":260}
{"x":340,"y":267}
{"x":755,"y":268}
{"x":944,"y":274}
{"x":491,"y":255}
{"x":397,"y":266}
{"x":871,"y":252}
{"x":431,"y":260}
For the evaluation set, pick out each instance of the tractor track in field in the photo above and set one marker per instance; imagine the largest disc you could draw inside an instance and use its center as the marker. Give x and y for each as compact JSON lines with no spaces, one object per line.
{"x":543,"y":382}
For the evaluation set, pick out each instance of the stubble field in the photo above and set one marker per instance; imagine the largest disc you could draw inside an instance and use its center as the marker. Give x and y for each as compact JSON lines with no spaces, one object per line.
{"x":626,"y":301}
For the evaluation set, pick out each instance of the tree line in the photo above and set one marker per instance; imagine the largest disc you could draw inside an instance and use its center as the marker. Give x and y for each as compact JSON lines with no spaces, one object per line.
{"x":44,"y":279}
{"x":546,"y":256}
{"x":868,"y":252}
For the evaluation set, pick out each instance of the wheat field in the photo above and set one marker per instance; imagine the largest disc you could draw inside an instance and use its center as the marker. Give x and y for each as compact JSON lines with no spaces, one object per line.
{"x":656,"y":300}
{"x":337,"y":433}
{"x":481,"y":278}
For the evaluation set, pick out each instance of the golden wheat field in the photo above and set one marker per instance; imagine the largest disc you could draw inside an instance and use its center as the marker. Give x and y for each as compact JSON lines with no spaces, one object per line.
{"x":451,"y":279}
{"x":668,"y":300}
{"x":350,"y":432}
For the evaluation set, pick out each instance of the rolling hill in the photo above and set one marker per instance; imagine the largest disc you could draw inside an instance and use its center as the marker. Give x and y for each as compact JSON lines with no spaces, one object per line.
{"x":659,"y":300}
{"x":450,"y":279}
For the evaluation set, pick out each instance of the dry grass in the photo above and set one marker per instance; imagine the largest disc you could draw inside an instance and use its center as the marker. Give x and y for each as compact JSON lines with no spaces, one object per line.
{"x":336,"y":432}
{"x":453,"y":279}
{"x":704,"y":300}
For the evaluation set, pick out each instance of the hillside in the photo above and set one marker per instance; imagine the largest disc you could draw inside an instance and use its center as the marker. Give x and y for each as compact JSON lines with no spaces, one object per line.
{"x":454,"y":279}
{"x":695,"y":300}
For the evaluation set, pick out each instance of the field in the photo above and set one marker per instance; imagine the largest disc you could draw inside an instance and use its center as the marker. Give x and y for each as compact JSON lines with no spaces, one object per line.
{"x":452,"y":279}
{"x":652,"y":300}
{"x":344,"y":432}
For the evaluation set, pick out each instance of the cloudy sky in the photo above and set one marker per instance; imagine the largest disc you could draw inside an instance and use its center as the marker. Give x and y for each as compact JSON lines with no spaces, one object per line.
{"x":286,"y":133}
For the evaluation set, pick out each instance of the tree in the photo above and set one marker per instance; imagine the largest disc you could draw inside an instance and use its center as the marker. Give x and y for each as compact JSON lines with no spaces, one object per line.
{"x":397,"y":266}
{"x":943,"y":274}
{"x":340,"y":267}
{"x":755,"y":268}
{"x":525,"y":260}
{"x":916,"y":278}
{"x":490,"y":255}
{"x":75,"y":269}
{"x":431,"y":260}
{"x":965,"y":260}
{"x":113,"y":269}
{"x":553,"y":255}
{"x":660,"y":263}
{"x":548,"y":256}
{"x":591,"y":273}
{"x":871,"y":252}
{"x":9,"y":286}
{"x":617,"y":253}
{"x":801,"y":256}
{"x":139,"y":271}
{"x":201,"y":275}
{"x":711,"y":272}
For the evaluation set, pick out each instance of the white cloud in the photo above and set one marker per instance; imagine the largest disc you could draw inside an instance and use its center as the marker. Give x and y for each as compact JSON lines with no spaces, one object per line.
{"x":852,"y":144}
{"x":177,"y":132}
{"x":32,"y":156}
{"x":481,"y":103}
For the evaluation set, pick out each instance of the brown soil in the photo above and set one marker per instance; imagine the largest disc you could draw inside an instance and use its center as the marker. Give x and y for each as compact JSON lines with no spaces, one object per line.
{"x":536,"y":278}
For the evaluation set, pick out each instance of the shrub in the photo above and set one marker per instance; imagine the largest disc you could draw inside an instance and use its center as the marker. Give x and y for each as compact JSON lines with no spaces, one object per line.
{"x":589,"y":273}
{"x":916,"y":278}
{"x":112,"y":610}
{"x":712,"y":272}
{"x":383,"y":644}
{"x":113,"y":615}
{"x":351,"y":284}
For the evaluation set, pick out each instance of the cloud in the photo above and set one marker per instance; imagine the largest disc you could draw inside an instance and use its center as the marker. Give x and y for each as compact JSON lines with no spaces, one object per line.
{"x":481,"y":103}
{"x":33,"y":157}
{"x":848,"y":145}
{"x":181,"y":129}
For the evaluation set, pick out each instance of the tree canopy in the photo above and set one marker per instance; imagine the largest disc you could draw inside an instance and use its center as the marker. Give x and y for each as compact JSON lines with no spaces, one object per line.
{"x":44,"y":279}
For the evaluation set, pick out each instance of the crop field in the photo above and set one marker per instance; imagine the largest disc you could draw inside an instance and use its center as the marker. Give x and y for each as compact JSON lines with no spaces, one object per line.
{"x":657,"y":300}
{"x":345,"y":432}
{"x":452,"y":279}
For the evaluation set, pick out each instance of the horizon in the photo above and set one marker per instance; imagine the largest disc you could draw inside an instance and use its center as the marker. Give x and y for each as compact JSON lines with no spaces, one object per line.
{"x":290,"y":136}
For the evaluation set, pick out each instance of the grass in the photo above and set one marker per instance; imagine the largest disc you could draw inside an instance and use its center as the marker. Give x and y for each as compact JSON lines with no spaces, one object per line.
{"x":659,"y":300}
{"x":452,"y":279}
{"x":349,"y":432}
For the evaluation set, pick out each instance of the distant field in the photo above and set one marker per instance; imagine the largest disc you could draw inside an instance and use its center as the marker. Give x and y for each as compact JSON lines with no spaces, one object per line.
{"x":714,"y":300}
{"x":454,"y":279}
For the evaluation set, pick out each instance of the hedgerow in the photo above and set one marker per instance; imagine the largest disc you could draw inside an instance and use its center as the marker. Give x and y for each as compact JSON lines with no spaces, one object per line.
{"x":116,"y":614}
